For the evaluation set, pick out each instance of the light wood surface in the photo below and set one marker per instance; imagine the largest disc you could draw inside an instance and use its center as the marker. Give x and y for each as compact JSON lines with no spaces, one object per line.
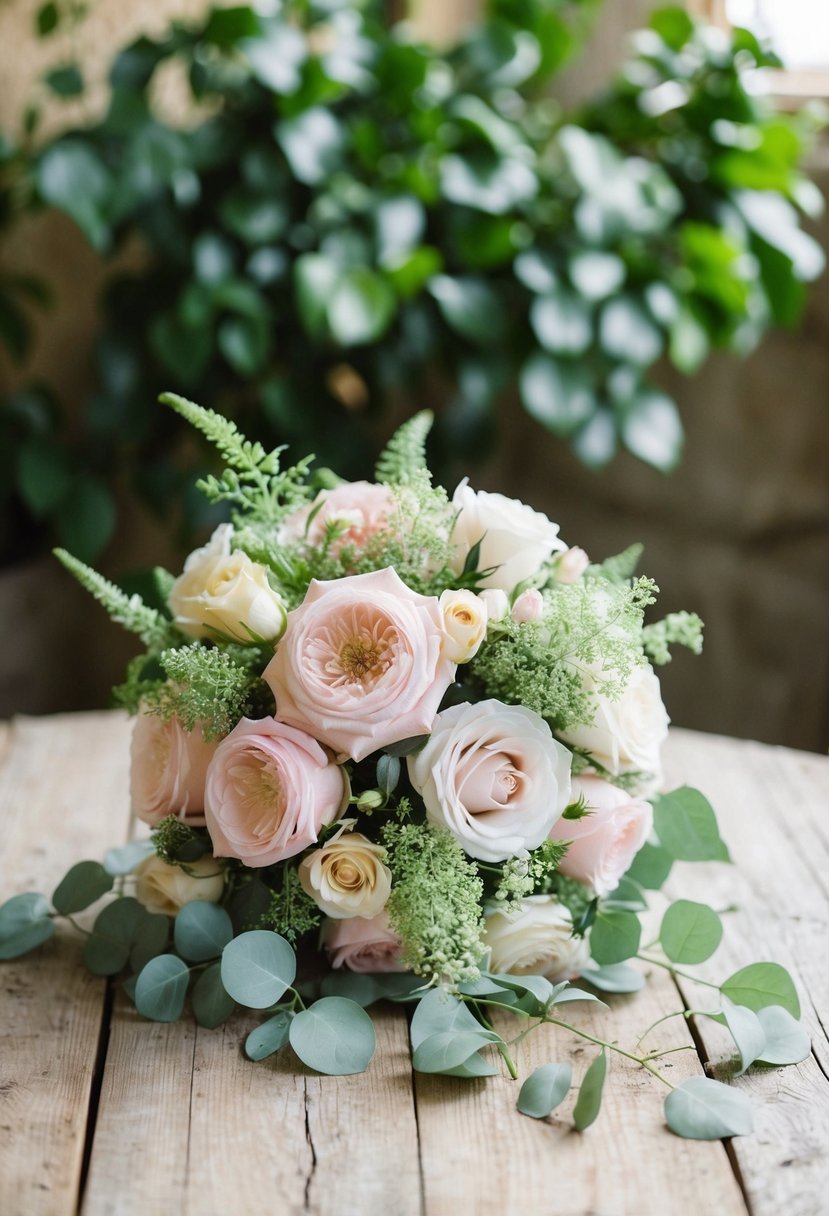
{"x":104,"y":1113}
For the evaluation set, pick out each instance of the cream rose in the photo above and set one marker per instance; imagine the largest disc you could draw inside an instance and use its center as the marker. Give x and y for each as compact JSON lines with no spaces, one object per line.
{"x":347,"y":876}
{"x":358,"y":510}
{"x":494,"y":776}
{"x":226,"y":593}
{"x":535,"y":939}
{"x":514,"y":538}
{"x":168,"y":766}
{"x":270,"y":788}
{"x":626,"y":734}
{"x":363,"y":663}
{"x":464,"y":618}
{"x":497,"y":603}
{"x":603,"y":844}
{"x":363,"y":945}
{"x":165,"y":888}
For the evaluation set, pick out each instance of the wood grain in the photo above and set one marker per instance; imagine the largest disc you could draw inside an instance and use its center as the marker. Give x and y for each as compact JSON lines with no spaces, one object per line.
{"x":64,"y":797}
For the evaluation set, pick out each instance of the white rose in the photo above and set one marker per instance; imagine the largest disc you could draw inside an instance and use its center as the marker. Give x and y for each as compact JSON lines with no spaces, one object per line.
{"x":626,"y":734}
{"x":226,"y":593}
{"x":464,"y":619}
{"x":497,"y":603}
{"x":514,"y":538}
{"x":536,"y":938}
{"x":165,"y":888}
{"x":347,"y":877}
{"x":494,"y":776}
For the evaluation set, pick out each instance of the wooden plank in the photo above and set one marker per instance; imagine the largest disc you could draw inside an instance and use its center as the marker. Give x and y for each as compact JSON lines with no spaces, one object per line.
{"x":627,"y":1162}
{"x":772,"y":808}
{"x":63,"y":791}
{"x":222,"y":1134}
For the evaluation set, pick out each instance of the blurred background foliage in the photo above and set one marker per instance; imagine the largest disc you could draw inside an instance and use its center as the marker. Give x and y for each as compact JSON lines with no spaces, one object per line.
{"x":337,"y":224}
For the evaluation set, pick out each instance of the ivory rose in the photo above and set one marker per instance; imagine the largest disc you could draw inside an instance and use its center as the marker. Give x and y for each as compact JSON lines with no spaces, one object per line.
{"x":603,"y":844}
{"x":347,"y":876}
{"x":165,"y":888}
{"x":514,"y":538}
{"x":626,"y":734}
{"x":494,"y":776}
{"x":363,"y":945}
{"x":535,"y":939}
{"x":363,"y":663}
{"x":226,"y":593}
{"x":270,"y":788}
{"x":497,"y":603}
{"x":360,"y":509}
{"x":464,"y":618}
{"x":168,"y":766}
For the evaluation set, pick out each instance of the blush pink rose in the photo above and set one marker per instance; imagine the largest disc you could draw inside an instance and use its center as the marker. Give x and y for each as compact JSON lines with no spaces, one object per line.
{"x":362,"y":663}
{"x":269,"y":790}
{"x":168,"y":766}
{"x":362,"y":944}
{"x":361,"y":509}
{"x":604,"y":843}
{"x":528,"y":607}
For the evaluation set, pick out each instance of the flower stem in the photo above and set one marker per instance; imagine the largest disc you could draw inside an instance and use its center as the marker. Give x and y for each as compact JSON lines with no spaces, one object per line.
{"x":685,"y":975}
{"x":611,"y":1047}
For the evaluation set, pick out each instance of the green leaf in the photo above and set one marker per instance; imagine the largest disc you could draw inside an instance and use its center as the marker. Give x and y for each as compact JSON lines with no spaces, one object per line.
{"x":312,"y":142}
{"x":689,"y":344}
{"x":474,"y":1066}
{"x":544,"y":1090}
{"x":361,"y":307}
{"x":687,"y":826}
{"x":409,"y":275}
{"x":569,"y":994}
{"x":487,"y":182}
{"x":315,"y":277}
{"x":703,"y":1109}
{"x":399,"y":222}
{"x":87,"y":523}
{"x":212,"y":1006}
{"x":71,"y":177}
{"x":651,"y":867}
{"x":254,"y":219}
{"x":161,"y":988}
{"x":618,"y":977}
{"x":202,"y":930}
{"x":44,"y":475}
{"x":589,"y":1100}
{"x":264,"y":1040}
{"x":440,"y":1012}
{"x":596,"y":274}
{"x":615,"y":936}
{"x":362,"y":989}
{"x":762,"y":984}
{"x":561,"y":321}
{"x":469,"y":306}
{"x":47,"y":19}
{"x":114,"y":933}
{"x":673,"y":25}
{"x":276,"y":57}
{"x":151,"y":939}
{"x":626,"y":332}
{"x":538,"y":987}
{"x":84,"y":883}
{"x":447,"y":1049}
{"x":690,"y":932}
{"x":66,"y":80}
{"x":787,"y":1040}
{"x":558,"y":394}
{"x":245,"y":343}
{"x":652,"y":430}
{"x":335,"y":1036}
{"x":123,"y":860}
{"x":24,"y":924}
{"x":257,"y":968}
{"x":747,"y":1032}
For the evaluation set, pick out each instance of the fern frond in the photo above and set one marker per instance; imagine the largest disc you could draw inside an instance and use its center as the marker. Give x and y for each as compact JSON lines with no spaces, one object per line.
{"x":240,"y":453}
{"x":404,"y":456}
{"x":130,"y":611}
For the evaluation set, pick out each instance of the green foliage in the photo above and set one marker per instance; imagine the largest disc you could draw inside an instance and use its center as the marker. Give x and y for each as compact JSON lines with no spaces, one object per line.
{"x":130,"y":611}
{"x":700,"y":1108}
{"x":212,"y":1006}
{"x":334,"y":1036}
{"x":291,"y":912}
{"x":435,"y":903}
{"x":614,"y":936}
{"x":86,"y":882}
{"x":25,"y":923}
{"x":161,"y":988}
{"x":676,"y":629}
{"x":544,"y":1090}
{"x":686,"y":825}
{"x":268,"y":1037}
{"x":524,"y":875}
{"x":206,"y":687}
{"x":405,"y":454}
{"x":177,"y":843}
{"x":762,"y":984}
{"x":589,"y":1101}
{"x":257,"y":968}
{"x":690,"y":932}
{"x":202,"y":930}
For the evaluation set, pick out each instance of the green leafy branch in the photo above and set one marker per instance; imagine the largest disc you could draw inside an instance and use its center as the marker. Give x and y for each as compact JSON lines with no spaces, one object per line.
{"x":405,"y":454}
{"x":130,"y":611}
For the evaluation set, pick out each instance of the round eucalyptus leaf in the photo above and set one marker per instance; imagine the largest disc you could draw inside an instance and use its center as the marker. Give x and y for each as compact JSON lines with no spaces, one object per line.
{"x":746,"y":1031}
{"x":362,"y":989}
{"x":84,"y":883}
{"x":762,"y":984}
{"x":615,"y":936}
{"x":114,"y":933}
{"x":335,"y":1036}
{"x":257,"y":967}
{"x":787,"y":1040}
{"x":124,"y":859}
{"x":544,"y":1090}
{"x":202,"y":930}
{"x":269,"y":1037}
{"x":474,"y":1066}
{"x":24,"y":924}
{"x":703,"y":1109}
{"x":211,"y":1003}
{"x":690,"y":932}
{"x":589,"y":1100}
{"x":447,"y":1049}
{"x":616,"y":977}
{"x":151,"y":939}
{"x":161,"y":988}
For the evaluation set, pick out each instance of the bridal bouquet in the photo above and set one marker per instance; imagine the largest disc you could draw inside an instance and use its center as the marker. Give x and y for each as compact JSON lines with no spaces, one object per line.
{"x":419,"y":737}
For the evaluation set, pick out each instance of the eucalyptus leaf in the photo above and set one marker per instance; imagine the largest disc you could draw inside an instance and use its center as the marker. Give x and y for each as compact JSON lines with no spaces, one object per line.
{"x":24,"y":924}
{"x":569,"y":995}
{"x":589,"y":1101}
{"x":86,"y":882}
{"x":440,"y":1012}
{"x":257,"y":968}
{"x":537,"y":986}
{"x":114,"y":933}
{"x":335,"y":1036}
{"x":161,"y":988}
{"x":123,"y":860}
{"x":202,"y":930}
{"x":687,"y":826}
{"x":212,"y":1005}
{"x":362,"y":989}
{"x":474,"y":1066}
{"x":651,"y":867}
{"x":747,"y":1032}
{"x":544,"y":1090}
{"x":269,"y":1037}
{"x":703,"y":1109}
{"x":616,"y":977}
{"x":615,"y":936}
{"x":152,"y":938}
{"x":690,"y":932}
{"x":446,"y":1050}
{"x":787,"y":1040}
{"x":762,"y":984}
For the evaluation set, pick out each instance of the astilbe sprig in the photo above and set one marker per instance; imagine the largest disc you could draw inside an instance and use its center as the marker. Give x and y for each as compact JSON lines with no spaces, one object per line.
{"x":530,"y":873}
{"x":676,"y":629}
{"x":129,"y":611}
{"x":291,"y":913}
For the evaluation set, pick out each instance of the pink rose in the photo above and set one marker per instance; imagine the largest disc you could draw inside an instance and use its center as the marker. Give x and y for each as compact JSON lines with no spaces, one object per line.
{"x":168,"y":766}
{"x":528,"y":607}
{"x":361,"y":509}
{"x":362,"y":663}
{"x":571,"y":565}
{"x":363,"y":945}
{"x":269,"y":790}
{"x":604,"y":843}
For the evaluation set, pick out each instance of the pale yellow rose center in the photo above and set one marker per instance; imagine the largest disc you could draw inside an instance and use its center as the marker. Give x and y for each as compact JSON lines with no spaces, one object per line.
{"x":356,"y":650}
{"x":347,"y":875}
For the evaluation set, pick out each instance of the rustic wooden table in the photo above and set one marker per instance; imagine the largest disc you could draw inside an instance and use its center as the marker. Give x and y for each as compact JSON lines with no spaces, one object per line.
{"x":103,"y":1112}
